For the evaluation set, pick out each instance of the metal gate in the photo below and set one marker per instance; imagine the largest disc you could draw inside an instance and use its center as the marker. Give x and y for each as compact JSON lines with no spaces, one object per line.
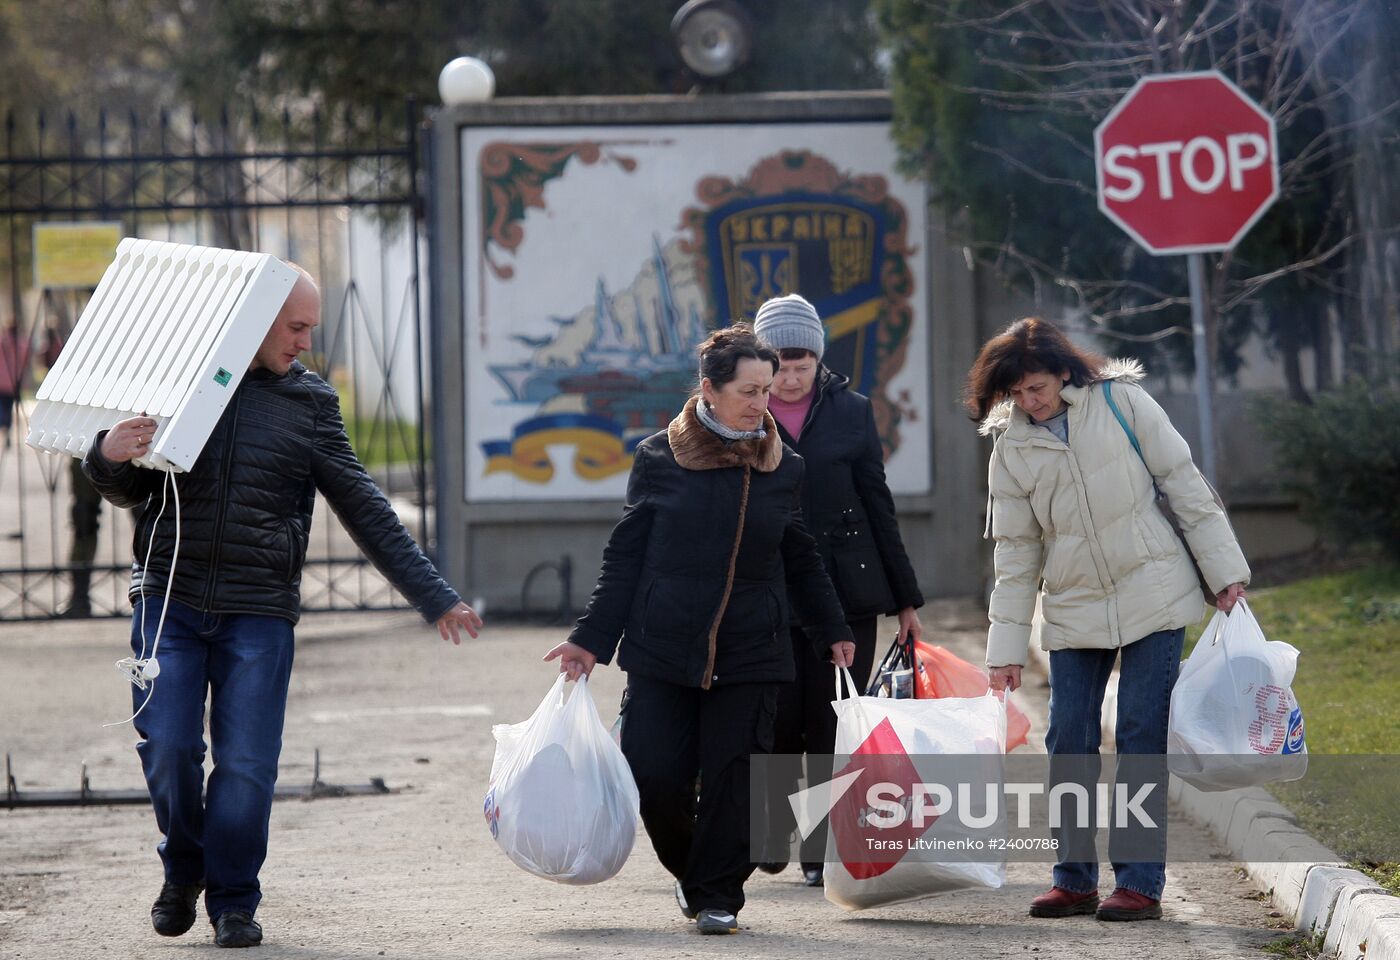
{"x":339,"y":195}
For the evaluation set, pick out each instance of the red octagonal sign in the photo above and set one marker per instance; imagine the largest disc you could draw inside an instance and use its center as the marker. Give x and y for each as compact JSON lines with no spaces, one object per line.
{"x":1186,"y":163}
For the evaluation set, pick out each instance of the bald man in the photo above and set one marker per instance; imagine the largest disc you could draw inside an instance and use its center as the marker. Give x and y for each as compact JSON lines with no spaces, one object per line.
{"x":245,"y":517}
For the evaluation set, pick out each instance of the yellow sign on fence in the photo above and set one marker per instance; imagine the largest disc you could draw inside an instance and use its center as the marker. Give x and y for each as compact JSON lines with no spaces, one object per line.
{"x":73,"y":254}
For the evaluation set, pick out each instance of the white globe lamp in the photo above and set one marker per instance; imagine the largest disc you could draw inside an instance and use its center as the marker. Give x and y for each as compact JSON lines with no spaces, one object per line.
{"x":466,"y":80}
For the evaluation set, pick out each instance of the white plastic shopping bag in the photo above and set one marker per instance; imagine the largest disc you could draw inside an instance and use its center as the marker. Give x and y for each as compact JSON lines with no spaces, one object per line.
{"x":1234,"y":719}
{"x":886,"y":855}
{"x":562,"y":803}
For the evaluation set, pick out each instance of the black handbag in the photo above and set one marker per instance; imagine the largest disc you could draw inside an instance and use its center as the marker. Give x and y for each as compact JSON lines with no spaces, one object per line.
{"x":894,"y":677}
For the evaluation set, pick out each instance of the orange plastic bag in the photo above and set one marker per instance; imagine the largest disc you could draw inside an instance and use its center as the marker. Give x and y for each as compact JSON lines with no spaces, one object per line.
{"x":941,"y":673}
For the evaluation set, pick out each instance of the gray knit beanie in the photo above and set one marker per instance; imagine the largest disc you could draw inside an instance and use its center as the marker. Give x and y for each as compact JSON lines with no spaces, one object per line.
{"x":790,"y":322}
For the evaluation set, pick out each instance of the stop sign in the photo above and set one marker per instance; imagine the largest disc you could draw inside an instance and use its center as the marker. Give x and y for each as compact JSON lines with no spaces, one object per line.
{"x":1186,"y":162}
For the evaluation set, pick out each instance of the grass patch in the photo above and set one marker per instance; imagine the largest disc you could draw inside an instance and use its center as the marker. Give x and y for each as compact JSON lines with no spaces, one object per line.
{"x":1385,"y":874}
{"x":1298,"y":946}
{"x":1347,"y":630}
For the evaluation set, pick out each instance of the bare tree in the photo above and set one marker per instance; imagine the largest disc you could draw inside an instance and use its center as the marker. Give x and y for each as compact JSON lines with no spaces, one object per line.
{"x":1021,"y":79}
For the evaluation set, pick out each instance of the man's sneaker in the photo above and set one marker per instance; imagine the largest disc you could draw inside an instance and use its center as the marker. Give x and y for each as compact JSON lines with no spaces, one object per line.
{"x":1125,"y":904}
{"x":716,"y":921}
{"x":1059,"y":902}
{"x":173,"y":912}
{"x":686,"y":912}
{"x":237,"y":928}
{"x":812,"y":876}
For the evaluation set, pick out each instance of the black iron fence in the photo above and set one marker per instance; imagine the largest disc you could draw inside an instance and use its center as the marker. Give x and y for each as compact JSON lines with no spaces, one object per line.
{"x":338,"y":194}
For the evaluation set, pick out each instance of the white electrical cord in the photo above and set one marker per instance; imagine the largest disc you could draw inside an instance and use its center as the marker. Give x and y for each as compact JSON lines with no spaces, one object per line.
{"x":143,"y":670}
{"x":146,"y":565}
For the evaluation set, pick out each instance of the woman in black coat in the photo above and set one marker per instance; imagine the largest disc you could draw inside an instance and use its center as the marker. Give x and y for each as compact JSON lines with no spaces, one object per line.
{"x":696,"y":583}
{"x":849,"y":510}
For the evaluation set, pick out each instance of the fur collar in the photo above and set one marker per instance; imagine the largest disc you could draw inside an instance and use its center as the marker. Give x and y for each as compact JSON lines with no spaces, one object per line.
{"x":697,"y":447}
{"x":1118,"y":370}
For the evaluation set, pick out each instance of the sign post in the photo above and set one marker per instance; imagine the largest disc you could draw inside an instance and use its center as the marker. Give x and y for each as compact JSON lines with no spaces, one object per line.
{"x":1205,"y":409}
{"x":1186,"y":163}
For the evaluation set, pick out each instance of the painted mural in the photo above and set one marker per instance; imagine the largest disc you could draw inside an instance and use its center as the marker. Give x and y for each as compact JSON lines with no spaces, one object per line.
{"x":797,"y":224}
{"x":600,"y":261}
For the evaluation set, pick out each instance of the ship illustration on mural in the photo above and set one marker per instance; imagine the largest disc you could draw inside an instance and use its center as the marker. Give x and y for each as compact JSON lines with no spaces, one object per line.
{"x":608,"y":376}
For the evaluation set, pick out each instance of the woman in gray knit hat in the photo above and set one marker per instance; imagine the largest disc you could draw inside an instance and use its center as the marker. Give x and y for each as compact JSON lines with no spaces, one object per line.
{"x":849,"y":510}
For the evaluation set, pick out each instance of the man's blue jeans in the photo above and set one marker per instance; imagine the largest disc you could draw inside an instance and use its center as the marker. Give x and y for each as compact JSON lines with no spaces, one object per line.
{"x":1077,"y":682}
{"x":244,"y":663}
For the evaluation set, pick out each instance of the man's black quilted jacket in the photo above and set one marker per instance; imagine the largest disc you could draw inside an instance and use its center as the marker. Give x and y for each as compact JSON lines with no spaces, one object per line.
{"x":245,"y":506}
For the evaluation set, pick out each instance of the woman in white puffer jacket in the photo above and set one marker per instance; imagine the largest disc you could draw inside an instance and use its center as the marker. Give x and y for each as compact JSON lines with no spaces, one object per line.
{"x":1073,"y":512}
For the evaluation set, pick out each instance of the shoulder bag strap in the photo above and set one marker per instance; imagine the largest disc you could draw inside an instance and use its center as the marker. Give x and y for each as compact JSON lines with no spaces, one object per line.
{"x":1122,"y":421}
{"x":1132,"y":437}
{"x":1162,"y":502}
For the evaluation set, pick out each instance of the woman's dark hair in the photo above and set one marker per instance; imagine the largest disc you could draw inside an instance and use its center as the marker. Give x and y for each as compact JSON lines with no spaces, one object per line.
{"x":722,"y":350}
{"x":795,"y":353}
{"x":1027,"y":346}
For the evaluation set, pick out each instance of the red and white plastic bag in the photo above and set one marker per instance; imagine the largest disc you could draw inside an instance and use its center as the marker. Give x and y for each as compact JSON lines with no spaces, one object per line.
{"x":895,"y":746}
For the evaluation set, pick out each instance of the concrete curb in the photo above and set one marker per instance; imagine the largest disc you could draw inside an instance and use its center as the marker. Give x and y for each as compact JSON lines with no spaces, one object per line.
{"x":1308,"y":882}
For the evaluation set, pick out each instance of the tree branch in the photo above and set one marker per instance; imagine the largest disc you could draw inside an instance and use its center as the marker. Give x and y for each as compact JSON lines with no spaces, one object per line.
{"x":1026,"y":168}
{"x":1253,"y":285}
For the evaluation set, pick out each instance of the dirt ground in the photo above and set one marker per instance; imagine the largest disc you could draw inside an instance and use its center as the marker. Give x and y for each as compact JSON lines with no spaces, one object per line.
{"x":416,"y":874}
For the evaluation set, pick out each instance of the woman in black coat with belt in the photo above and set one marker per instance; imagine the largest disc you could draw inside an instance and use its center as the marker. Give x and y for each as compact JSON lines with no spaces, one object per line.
{"x":696,"y":583}
{"x":849,"y":510}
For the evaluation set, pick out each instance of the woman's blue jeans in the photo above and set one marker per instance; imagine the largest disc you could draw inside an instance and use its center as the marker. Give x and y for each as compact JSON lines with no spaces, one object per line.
{"x":244,"y":663}
{"x":1077,"y":682}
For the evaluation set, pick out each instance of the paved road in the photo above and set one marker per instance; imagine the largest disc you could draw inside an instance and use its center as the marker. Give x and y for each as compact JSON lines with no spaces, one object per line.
{"x":416,"y":874}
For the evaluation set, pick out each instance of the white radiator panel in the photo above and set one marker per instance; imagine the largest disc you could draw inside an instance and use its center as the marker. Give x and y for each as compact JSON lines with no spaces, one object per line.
{"x":169,"y":332}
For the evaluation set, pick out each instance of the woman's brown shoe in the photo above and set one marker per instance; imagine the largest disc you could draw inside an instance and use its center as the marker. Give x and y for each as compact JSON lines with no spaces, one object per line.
{"x":1059,"y":902}
{"x":1127,"y":904}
